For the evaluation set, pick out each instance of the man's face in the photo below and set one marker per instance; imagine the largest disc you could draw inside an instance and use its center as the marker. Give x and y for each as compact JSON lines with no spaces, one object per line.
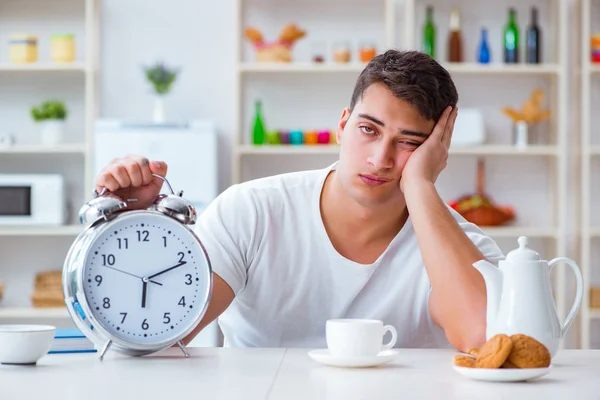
{"x":376,"y":141}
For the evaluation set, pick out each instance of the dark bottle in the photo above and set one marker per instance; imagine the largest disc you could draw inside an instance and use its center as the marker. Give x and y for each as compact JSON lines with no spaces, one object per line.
{"x":511,"y":38}
{"x":455,"y":53}
{"x":429,"y":34}
{"x":534,"y":37}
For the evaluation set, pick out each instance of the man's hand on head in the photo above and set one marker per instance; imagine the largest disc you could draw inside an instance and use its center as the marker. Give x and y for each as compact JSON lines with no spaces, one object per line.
{"x":429,"y":160}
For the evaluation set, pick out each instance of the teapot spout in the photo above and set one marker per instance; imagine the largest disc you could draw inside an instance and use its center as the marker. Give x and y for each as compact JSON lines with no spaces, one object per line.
{"x":493,"y":284}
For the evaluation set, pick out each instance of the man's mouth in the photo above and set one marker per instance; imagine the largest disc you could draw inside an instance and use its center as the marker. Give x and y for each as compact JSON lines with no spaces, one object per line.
{"x":374,"y":180}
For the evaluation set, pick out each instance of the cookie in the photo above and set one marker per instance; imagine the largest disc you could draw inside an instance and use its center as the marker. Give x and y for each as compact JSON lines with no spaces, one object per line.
{"x":494,"y":352}
{"x":473,"y":352}
{"x":508,"y":364}
{"x":461,"y":360}
{"x":527,"y":352}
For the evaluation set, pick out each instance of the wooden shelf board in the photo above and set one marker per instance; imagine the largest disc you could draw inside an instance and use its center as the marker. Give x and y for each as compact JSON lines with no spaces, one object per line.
{"x":69,"y":148}
{"x":516,"y":231}
{"x":506,"y":150}
{"x":594,"y":313}
{"x":42,"y":67}
{"x":502,"y":69}
{"x":65,"y":230}
{"x":595,"y":232}
{"x":456,"y":68}
{"x":33,"y":312}
{"x":298,"y":67}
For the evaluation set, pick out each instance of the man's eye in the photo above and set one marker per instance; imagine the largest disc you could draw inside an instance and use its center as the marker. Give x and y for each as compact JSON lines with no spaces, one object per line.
{"x":413,"y":144}
{"x":367,"y":130}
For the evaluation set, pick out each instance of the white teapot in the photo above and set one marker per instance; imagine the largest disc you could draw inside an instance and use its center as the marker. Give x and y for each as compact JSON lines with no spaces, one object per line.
{"x":519,"y":296}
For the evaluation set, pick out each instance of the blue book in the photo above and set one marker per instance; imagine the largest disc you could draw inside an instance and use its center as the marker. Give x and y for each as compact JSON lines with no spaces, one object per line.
{"x":71,"y":340}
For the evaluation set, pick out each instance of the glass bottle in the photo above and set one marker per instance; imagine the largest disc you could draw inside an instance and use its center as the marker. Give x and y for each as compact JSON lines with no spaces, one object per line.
{"x":534,"y":37}
{"x":455,"y":40}
{"x":258,"y":130}
{"x":429,"y":33}
{"x":484,"y":56}
{"x":511,"y":38}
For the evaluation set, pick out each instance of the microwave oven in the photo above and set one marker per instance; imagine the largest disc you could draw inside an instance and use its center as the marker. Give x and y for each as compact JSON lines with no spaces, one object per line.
{"x":32,"y":199}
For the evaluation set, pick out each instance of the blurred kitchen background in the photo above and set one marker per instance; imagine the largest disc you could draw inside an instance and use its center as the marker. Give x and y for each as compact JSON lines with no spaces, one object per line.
{"x":209,"y":88}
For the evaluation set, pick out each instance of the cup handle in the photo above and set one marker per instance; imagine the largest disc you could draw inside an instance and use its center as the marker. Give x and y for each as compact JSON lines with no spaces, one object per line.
{"x":578,"y":295}
{"x":392,"y":342}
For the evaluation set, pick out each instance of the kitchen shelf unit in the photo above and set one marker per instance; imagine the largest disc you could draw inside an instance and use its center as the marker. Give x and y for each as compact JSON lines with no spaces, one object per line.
{"x":589,"y":152}
{"x":73,"y":156}
{"x":401,"y":29}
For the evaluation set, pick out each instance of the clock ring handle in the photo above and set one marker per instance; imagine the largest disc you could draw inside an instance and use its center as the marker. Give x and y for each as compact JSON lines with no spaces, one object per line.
{"x":104,"y":190}
{"x":166,"y":181}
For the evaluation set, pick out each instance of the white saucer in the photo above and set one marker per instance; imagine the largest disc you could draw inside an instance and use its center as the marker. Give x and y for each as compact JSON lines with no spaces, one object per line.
{"x":502,"y":374}
{"x":324,"y":357}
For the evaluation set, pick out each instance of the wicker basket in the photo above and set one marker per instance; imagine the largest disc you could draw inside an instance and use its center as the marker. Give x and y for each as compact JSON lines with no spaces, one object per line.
{"x":48,"y":290}
{"x":487,"y":216}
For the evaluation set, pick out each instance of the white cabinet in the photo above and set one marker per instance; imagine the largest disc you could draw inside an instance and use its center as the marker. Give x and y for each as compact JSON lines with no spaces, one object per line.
{"x":190,"y":151}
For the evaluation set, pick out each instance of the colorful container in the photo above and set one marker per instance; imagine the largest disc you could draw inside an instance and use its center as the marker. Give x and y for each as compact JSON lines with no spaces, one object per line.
{"x":23,"y":49}
{"x":367,"y":52}
{"x":323,"y":137}
{"x":595,"y":48}
{"x":296,"y":137}
{"x":284,"y":137}
{"x":63,"y":48}
{"x":272,"y":137}
{"x":311,"y":137}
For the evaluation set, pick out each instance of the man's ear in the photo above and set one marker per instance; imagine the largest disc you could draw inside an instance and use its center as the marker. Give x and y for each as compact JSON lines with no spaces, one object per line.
{"x":342,"y":124}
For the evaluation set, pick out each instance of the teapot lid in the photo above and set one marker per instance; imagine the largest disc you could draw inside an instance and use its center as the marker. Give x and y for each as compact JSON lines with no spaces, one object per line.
{"x":523,"y":253}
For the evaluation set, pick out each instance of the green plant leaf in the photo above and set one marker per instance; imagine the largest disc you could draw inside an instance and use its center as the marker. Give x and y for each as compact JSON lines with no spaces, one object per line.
{"x":161,"y":77}
{"x":49,"y":109}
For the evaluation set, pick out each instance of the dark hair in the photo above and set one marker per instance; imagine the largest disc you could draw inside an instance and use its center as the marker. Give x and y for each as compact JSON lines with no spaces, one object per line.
{"x":411,"y":76}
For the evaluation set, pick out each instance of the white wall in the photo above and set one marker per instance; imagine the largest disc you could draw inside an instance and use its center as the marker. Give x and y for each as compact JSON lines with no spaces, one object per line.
{"x":195,"y":35}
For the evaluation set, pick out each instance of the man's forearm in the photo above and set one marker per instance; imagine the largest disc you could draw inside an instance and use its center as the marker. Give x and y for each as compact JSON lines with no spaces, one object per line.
{"x":458,"y":296}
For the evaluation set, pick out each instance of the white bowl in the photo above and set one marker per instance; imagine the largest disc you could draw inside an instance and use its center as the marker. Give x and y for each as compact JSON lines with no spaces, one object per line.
{"x":25,"y":344}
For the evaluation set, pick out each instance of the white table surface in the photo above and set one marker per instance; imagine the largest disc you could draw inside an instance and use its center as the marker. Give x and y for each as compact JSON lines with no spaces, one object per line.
{"x":225,"y":373}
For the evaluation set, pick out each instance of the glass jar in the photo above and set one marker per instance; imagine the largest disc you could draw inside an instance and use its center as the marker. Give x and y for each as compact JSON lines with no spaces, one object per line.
{"x":23,"y":49}
{"x":319,"y":50}
{"x":367,"y":51}
{"x":63,"y":48}
{"x":341,"y":52}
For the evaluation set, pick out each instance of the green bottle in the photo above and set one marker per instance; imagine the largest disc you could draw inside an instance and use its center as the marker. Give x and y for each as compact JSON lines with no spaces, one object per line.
{"x":258,"y":130}
{"x":511,"y":38}
{"x":429,"y":33}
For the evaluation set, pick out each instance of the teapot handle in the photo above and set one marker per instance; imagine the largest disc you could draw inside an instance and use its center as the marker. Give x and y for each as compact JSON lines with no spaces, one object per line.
{"x":578,"y":295}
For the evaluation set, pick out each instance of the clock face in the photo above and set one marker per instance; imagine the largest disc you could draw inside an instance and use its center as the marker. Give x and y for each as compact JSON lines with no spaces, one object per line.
{"x":146,"y":278}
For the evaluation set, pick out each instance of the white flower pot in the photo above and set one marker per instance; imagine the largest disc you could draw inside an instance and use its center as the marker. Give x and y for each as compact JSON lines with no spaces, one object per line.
{"x":52,"y":132}
{"x":158,"y":116}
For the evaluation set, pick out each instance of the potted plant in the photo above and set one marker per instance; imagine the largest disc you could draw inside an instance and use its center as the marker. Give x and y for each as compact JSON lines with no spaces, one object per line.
{"x":161,"y":78}
{"x":51,"y":116}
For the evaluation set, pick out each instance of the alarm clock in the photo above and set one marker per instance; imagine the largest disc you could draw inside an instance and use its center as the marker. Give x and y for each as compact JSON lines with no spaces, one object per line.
{"x":137,"y":281}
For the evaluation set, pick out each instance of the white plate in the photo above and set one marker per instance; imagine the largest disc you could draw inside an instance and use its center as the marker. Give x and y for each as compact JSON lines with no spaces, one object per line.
{"x":502,"y":374}
{"x":324,"y":357}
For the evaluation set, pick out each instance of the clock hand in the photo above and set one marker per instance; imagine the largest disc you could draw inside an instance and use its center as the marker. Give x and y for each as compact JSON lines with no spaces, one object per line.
{"x":144,"y":287}
{"x":168,"y":269}
{"x":135,"y":276}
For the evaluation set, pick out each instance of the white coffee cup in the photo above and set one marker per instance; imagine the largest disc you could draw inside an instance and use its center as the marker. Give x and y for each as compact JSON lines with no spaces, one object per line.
{"x":358,"y":337}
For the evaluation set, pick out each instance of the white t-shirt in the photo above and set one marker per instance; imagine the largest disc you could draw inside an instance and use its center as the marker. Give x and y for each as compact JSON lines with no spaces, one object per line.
{"x":266,"y":239}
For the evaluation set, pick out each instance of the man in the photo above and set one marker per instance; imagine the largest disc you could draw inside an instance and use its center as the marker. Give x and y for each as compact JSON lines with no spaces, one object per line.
{"x":368,"y":237}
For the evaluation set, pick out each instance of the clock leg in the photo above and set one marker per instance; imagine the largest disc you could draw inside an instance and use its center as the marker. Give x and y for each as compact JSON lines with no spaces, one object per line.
{"x":105,"y":349}
{"x":183,"y":348}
